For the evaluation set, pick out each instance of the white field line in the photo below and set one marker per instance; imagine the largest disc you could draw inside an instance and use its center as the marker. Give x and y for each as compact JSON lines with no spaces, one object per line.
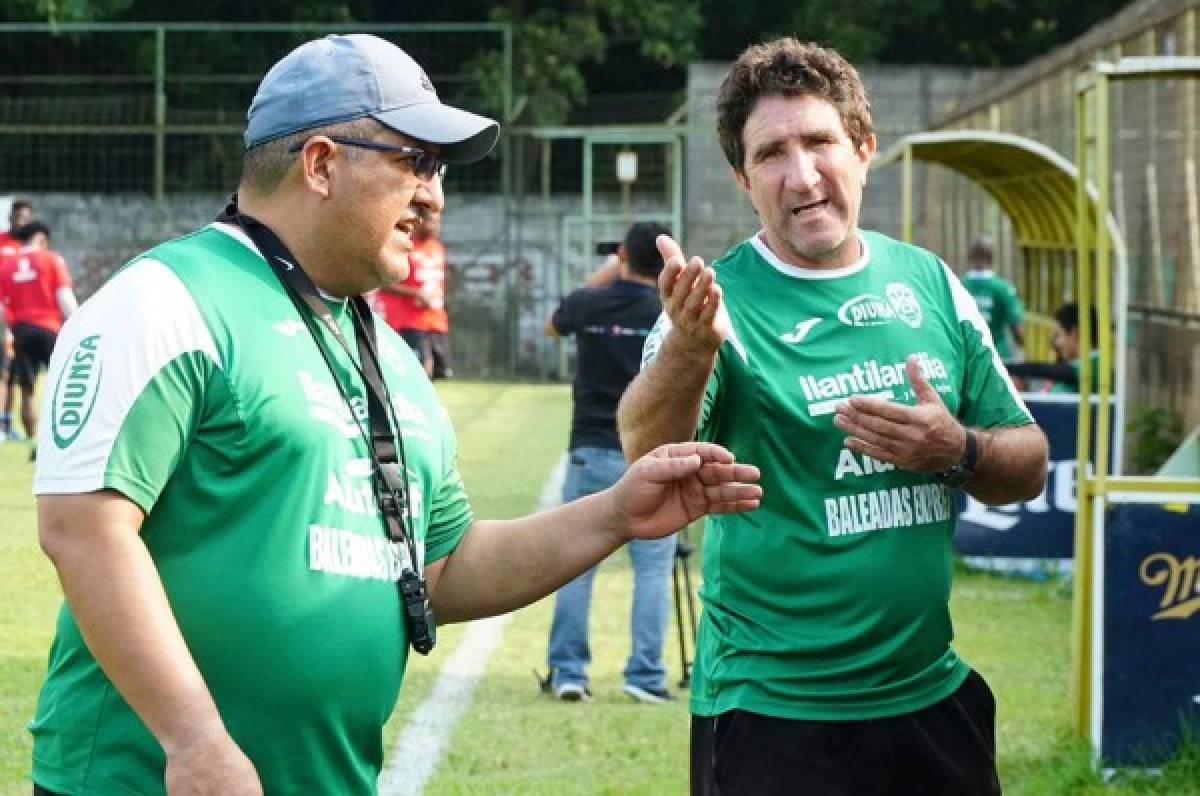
{"x":419,"y":749}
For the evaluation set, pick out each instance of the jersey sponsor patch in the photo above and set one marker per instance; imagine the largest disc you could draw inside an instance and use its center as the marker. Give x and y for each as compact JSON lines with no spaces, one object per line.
{"x":881,"y":509}
{"x":353,"y":489}
{"x":326,"y":405}
{"x":869,"y":309}
{"x":75,"y":393}
{"x":337,"y":551}
{"x":866,"y":309}
{"x":870,"y":378}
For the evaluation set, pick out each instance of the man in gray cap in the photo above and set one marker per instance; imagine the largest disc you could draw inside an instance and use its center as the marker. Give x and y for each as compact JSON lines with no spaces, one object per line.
{"x":247,"y":484}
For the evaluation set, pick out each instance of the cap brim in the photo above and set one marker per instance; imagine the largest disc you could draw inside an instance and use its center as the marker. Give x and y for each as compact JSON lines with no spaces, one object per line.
{"x":464,"y":137}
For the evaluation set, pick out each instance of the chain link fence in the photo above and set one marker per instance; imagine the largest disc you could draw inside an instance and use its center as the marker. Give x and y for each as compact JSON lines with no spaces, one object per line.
{"x":123,"y":135}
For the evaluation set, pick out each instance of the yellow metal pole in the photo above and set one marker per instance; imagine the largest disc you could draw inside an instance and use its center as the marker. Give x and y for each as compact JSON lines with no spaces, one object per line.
{"x":1082,"y":603}
{"x":1103,"y":296}
{"x":906,"y":231}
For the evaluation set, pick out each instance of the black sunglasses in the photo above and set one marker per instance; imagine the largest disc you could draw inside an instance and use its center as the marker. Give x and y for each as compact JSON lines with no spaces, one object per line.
{"x":426,"y":164}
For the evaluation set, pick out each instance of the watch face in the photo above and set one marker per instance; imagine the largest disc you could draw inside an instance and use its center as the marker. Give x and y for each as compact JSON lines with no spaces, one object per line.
{"x":956,"y":476}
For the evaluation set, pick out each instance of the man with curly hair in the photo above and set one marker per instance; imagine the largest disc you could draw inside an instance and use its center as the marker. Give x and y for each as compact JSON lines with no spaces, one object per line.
{"x":858,"y":374}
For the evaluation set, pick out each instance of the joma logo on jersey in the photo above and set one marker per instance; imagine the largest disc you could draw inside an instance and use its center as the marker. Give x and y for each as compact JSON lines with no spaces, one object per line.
{"x":866,"y":310}
{"x":76,"y":391}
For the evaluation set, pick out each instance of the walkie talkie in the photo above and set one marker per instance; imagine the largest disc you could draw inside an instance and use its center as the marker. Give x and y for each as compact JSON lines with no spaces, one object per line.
{"x":414,"y":595}
{"x":422,"y":632}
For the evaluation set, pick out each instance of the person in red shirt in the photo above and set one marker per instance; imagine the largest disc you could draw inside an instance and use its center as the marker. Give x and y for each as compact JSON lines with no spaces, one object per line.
{"x":416,"y":306}
{"x":20,"y":213}
{"x":35,"y":298}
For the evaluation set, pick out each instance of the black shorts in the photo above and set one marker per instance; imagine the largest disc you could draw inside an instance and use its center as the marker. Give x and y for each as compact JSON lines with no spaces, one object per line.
{"x":948,"y":748}
{"x":430,"y":345}
{"x":32,"y":347}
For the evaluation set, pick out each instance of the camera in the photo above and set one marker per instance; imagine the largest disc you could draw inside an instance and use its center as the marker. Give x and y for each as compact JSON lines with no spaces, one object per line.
{"x":607,"y":247}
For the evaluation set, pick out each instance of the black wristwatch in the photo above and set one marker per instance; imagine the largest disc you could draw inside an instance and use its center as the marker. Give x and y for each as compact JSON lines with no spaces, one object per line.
{"x":957,"y":475}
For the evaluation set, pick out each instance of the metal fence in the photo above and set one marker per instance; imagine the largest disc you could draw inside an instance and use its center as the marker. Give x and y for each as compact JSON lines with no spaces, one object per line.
{"x":160,"y":109}
{"x":126,"y":134}
{"x":123,"y":135}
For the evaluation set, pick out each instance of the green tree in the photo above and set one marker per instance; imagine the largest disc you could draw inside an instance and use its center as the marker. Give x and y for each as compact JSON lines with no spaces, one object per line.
{"x":554,"y":43}
{"x":966,"y":32}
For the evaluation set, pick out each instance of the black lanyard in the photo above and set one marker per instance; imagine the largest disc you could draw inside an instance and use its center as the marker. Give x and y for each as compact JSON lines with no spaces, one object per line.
{"x":391,"y":477}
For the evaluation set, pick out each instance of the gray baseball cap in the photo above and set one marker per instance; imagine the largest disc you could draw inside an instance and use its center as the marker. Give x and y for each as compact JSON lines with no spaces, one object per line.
{"x":344,"y":77}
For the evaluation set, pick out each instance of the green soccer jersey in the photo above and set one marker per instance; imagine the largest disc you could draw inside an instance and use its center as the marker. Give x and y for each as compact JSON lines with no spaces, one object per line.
{"x":998,"y":303}
{"x":830,"y":601}
{"x":191,"y":384}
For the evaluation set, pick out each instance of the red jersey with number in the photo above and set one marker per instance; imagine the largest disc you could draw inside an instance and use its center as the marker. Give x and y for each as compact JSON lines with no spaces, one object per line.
{"x":427,"y":273}
{"x":29,"y":285}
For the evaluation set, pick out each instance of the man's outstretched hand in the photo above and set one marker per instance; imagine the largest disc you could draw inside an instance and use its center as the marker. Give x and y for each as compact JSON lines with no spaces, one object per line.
{"x":674,"y":484}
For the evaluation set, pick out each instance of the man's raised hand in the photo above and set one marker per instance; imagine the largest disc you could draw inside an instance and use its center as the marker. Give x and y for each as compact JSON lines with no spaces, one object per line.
{"x":691,"y":298}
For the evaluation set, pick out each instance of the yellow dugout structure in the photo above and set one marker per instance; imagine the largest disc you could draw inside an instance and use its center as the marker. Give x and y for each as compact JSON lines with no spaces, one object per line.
{"x":1098,"y":284}
{"x":1054,"y":207}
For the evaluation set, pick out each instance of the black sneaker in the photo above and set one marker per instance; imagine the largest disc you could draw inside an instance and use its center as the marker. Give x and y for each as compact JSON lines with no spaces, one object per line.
{"x":652,"y":696}
{"x":572,"y":692}
{"x":567,"y":692}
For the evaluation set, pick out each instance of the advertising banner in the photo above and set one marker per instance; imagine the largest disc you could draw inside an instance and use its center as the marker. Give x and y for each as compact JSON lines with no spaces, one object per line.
{"x":1151,"y":646}
{"x":1038,"y":529}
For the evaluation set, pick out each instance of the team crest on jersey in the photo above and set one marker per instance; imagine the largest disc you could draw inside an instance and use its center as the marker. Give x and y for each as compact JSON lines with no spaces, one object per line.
{"x":904,"y":301}
{"x":76,"y":391}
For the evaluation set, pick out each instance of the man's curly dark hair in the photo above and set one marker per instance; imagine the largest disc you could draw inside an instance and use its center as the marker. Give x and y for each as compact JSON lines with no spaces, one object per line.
{"x":789,"y":68}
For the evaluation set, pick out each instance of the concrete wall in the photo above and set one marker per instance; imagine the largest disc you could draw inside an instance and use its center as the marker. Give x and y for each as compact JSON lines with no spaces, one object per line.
{"x":904,"y":99}
{"x":502,"y":287}
{"x":506,"y":282}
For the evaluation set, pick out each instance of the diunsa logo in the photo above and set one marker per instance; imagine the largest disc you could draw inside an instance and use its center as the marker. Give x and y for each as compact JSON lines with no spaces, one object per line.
{"x":866,"y":310}
{"x":76,"y":390}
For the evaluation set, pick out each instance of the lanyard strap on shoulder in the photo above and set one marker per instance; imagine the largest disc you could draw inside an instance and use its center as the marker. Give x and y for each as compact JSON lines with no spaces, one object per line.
{"x":300,"y":287}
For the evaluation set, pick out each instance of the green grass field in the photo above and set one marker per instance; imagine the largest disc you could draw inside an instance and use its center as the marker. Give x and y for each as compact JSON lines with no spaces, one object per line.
{"x":514,"y":740}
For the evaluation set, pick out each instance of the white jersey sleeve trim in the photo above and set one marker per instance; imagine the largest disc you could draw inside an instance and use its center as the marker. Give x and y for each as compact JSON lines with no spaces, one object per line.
{"x":968,"y":311}
{"x":106,"y":354}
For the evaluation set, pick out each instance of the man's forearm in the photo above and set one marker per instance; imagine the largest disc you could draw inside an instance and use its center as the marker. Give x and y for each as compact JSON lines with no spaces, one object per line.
{"x":117,"y":599}
{"x":1012,"y":465}
{"x":663,"y":403}
{"x":606,"y":274}
{"x":501,"y":565}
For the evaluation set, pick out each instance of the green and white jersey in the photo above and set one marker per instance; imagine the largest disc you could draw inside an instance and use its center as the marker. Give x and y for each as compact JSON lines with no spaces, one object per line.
{"x":998,"y":303}
{"x":830,"y":600}
{"x":191,"y":384}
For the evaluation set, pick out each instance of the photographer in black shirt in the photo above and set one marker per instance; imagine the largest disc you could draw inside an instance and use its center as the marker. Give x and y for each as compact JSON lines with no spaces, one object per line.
{"x":610,"y":318}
